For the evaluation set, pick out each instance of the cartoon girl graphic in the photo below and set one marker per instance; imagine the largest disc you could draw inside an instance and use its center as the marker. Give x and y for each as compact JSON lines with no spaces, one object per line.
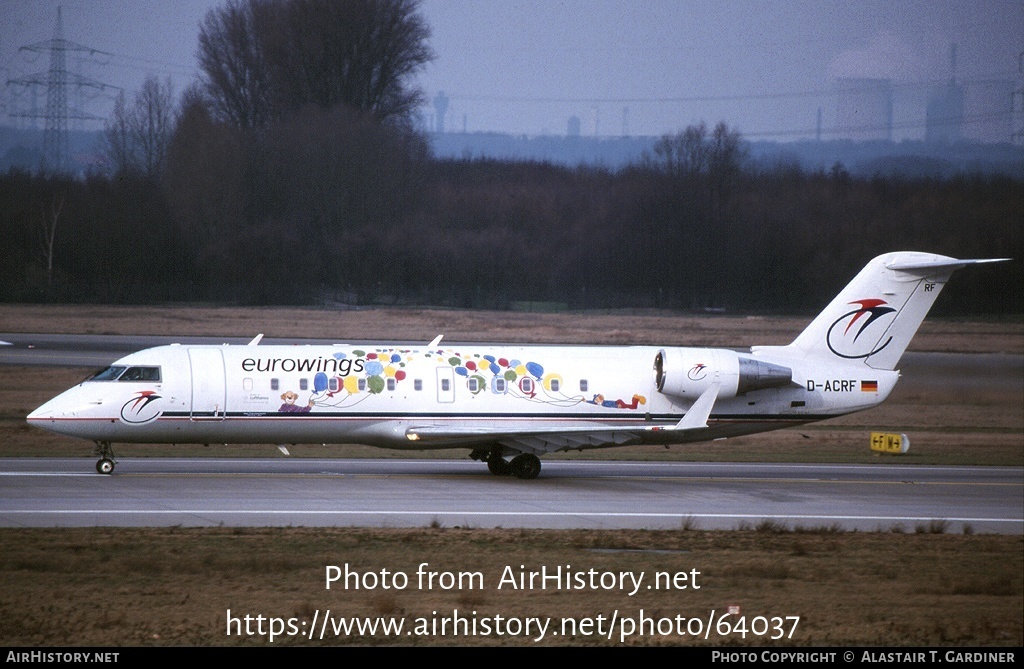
{"x":599,"y":400}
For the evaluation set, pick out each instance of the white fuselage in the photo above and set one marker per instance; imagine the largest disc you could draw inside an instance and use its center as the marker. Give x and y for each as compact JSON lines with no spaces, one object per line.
{"x":378,"y":394}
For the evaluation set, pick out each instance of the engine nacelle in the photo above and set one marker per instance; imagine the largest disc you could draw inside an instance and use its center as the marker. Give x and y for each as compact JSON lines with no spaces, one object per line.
{"x":688,"y":372}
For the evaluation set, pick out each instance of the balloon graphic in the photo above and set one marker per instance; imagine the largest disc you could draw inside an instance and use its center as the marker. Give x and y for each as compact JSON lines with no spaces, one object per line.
{"x":536,"y":370}
{"x":320,"y":382}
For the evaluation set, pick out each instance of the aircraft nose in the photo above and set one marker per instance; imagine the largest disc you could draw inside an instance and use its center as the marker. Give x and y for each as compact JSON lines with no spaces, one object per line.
{"x":44,"y":412}
{"x":51,"y":410}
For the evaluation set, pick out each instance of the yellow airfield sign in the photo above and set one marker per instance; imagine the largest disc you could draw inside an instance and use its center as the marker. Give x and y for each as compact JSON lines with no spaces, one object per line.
{"x":889,"y":442}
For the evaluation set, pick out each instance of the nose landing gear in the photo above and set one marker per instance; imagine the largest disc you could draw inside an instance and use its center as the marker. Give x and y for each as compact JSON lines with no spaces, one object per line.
{"x":106,"y":463}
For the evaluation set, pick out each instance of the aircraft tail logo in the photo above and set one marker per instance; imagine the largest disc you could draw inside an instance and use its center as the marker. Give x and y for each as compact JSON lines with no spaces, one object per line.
{"x":846,"y":341}
{"x":873,"y":330}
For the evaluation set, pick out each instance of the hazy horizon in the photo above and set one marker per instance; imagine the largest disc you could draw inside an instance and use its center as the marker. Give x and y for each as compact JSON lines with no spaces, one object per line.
{"x":645,"y":67}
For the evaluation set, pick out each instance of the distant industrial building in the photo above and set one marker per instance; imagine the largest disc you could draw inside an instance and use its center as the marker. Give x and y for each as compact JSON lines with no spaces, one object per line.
{"x":944,"y":115}
{"x":988,"y":115}
{"x":573,"y":126}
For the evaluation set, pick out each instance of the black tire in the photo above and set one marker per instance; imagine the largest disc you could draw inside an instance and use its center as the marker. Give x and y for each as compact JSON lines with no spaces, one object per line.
{"x":105,"y":466}
{"x":498,"y":465}
{"x":526,"y":466}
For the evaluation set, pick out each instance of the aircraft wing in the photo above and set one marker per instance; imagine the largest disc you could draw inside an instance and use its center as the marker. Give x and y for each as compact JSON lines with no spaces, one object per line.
{"x":550,"y":440}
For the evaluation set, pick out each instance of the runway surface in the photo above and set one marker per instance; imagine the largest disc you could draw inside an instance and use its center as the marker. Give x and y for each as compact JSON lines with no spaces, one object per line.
{"x":48,"y":492}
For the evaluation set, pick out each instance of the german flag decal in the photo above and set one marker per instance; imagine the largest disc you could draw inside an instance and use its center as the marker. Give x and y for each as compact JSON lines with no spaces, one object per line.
{"x":869,"y":386}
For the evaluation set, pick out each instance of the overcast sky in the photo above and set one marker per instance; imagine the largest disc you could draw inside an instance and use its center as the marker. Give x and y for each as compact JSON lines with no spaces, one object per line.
{"x":640,"y":67}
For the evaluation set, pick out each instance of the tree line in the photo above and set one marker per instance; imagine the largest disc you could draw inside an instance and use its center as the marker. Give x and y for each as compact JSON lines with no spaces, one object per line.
{"x":310,"y":227}
{"x":291,"y":173}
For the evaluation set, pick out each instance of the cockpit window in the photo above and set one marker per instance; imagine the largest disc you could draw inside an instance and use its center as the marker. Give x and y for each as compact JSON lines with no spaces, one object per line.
{"x":141,"y":374}
{"x":108,"y":374}
{"x":121,"y":373}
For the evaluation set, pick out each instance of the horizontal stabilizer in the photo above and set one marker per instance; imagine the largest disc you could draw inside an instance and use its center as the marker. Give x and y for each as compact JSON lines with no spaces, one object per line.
{"x":950,"y":264}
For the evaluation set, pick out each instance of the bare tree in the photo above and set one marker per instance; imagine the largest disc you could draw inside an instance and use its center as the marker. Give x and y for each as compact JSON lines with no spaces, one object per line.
{"x":684,"y":154}
{"x":50,"y":217}
{"x":153,"y":125}
{"x":136,"y":137}
{"x":695,"y":151}
{"x":726,"y":151}
{"x":263,"y":60}
{"x":117,"y":138}
{"x":235,"y":77}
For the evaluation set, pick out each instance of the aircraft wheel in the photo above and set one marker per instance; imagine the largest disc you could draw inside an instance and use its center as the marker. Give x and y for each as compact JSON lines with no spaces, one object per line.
{"x":526,"y":466}
{"x":105,"y":466}
{"x":498,"y":465}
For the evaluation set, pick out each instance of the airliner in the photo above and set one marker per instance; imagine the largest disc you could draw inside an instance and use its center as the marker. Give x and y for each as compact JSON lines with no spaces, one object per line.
{"x":510,"y":404}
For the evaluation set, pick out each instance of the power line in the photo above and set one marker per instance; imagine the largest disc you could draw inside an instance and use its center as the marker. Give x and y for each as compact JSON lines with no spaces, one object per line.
{"x":730,"y":97}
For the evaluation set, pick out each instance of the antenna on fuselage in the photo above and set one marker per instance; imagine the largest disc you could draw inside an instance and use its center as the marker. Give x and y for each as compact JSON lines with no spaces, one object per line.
{"x":435,"y":342}
{"x":256,"y":339}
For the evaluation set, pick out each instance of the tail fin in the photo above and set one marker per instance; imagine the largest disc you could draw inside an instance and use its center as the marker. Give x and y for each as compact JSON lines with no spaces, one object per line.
{"x":874,"y":318}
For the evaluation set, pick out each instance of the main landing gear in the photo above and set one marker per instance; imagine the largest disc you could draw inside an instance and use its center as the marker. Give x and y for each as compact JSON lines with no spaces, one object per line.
{"x":105,"y":465}
{"x":523,"y":466}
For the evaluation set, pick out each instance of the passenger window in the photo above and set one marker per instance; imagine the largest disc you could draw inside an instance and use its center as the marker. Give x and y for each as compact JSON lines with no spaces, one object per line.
{"x":473,"y":385}
{"x":526,"y":385}
{"x":303,"y":384}
{"x":446,"y":385}
{"x":417,"y":384}
{"x":274,"y":384}
{"x":362,"y":384}
{"x":391,"y":384}
{"x":333,"y":384}
{"x":499,"y":385}
{"x":554,"y":385}
{"x":583,"y":385}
